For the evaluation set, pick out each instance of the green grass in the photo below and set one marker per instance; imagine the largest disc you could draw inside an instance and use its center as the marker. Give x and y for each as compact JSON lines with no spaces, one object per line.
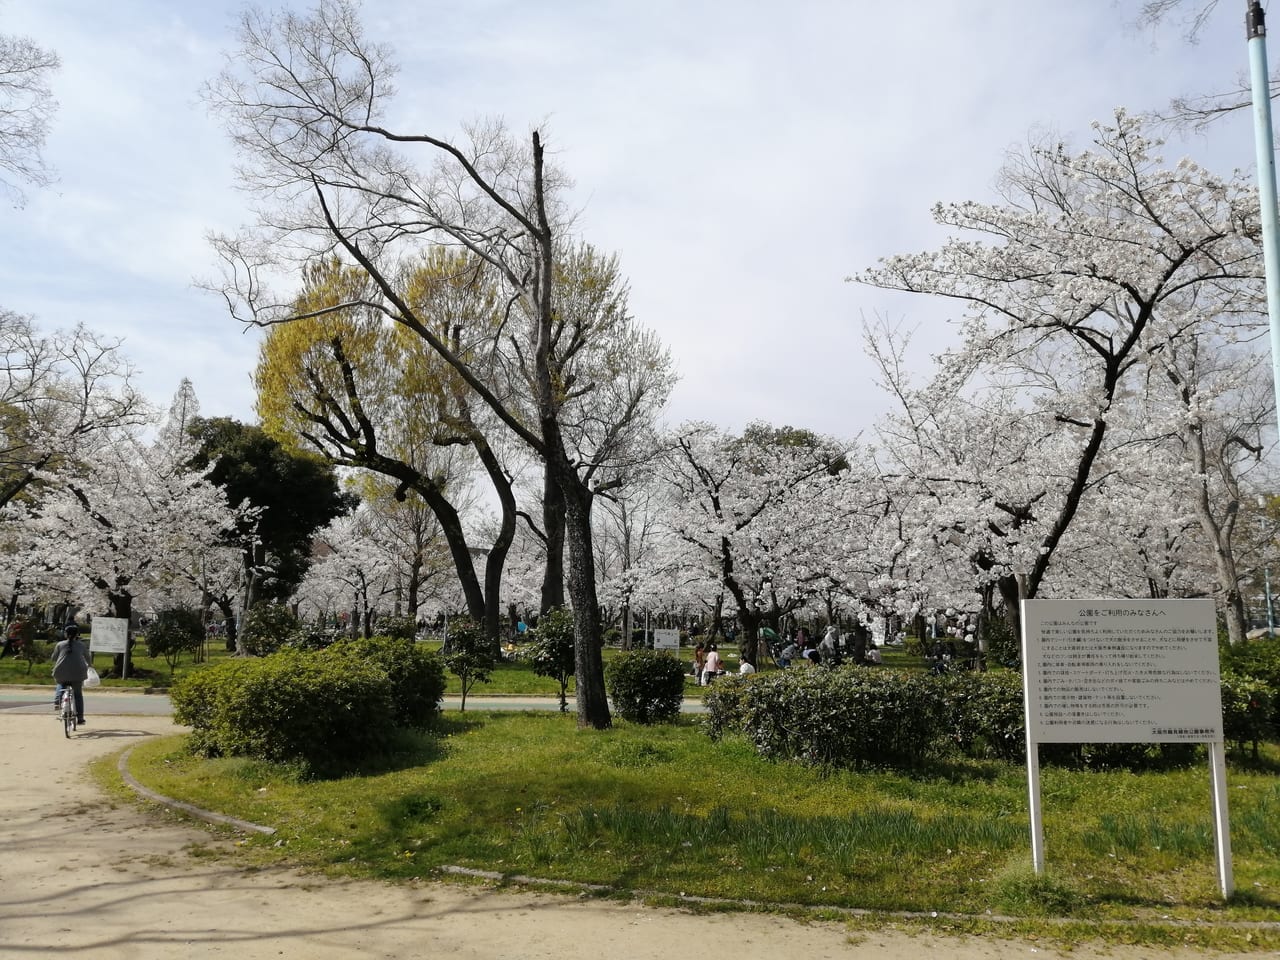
{"x":147,"y":671}
{"x":667,"y":811}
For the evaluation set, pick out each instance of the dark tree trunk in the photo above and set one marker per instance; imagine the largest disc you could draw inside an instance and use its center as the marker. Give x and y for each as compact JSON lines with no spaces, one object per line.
{"x":749,"y":639}
{"x":498,"y":552}
{"x":593,"y":701}
{"x":121,"y":605}
{"x":858,"y":643}
{"x":553,"y":522}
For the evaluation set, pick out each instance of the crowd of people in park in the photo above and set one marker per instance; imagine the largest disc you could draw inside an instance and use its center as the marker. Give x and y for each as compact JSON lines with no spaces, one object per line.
{"x":800,"y":648}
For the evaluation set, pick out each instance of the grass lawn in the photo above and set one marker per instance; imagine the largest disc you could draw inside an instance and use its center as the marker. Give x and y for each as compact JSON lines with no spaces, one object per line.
{"x":146,"y":671}
{"x":667,"y":811}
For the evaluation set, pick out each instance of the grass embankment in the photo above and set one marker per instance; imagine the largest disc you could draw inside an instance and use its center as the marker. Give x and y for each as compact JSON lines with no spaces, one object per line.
{"x":666,"y":810}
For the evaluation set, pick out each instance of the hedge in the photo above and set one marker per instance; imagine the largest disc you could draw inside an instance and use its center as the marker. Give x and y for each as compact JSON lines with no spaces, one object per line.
{"x":852,"y":717}
{"x":416,"y":675}
{"x":324,"y":713}
{"x":646,"y":687}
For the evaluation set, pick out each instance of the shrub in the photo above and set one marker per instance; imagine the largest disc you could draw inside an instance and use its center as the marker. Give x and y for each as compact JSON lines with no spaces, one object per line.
{"x":1259,"y":659}
{"x":646,"y":687}
{"x":1003,"y":645}
{"x":266,"y":628}
{"x":551,"y":651}
{"x":845,"y":717}
{"x":470,"y":658}
{"x":1247,"y":711}
{"x":325,"y":713}
{"x":196,"y":699}
{"x":416,"y":675}
{"x":852,"y":717}
{"x":985,"y":715}
{"x":724,"y":703}
{"x":399,"y":628}
{"x":175,"y":631}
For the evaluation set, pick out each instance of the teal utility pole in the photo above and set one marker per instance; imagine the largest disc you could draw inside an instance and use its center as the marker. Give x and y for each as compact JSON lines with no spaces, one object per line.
{"x":1255,"y":23}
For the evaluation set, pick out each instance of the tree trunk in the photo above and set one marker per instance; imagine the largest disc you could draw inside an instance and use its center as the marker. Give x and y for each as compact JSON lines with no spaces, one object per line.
{"x":553,"y":523}
{"x":122,"y":607}
{"x":497,"y":559}
{"x":588,"y":665}
{"x":749,"y":640}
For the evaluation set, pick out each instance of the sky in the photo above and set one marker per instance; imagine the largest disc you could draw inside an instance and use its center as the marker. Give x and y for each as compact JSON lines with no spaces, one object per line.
{"x":742,"y":158}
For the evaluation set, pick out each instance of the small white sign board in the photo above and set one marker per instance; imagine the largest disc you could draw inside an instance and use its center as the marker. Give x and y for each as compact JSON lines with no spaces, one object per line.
{"x":110,"y":635}
{"x":666,"y":640}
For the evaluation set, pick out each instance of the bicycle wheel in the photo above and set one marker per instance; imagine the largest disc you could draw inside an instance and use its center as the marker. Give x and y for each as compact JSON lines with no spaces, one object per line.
{"x":68,"y":715}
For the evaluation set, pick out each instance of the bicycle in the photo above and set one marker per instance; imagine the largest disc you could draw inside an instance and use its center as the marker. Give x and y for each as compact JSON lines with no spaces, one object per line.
{"x":68,"y":712}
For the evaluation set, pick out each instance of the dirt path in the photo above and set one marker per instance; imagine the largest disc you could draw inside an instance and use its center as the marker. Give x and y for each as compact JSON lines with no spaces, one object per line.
{"x":85,"y":876}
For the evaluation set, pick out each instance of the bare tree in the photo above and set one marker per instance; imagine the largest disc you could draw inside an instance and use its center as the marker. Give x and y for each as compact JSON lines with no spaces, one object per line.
{"x":304,"y":99}
{"x":1197,"y":110}
{"x":26,"y":107}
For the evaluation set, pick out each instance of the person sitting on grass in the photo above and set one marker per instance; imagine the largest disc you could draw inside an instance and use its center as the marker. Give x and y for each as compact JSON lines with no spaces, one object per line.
{"x":70,"y":669}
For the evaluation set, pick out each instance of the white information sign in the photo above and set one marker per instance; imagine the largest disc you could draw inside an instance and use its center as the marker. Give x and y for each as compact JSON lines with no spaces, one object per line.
{"x":666,"y":640}
{"x":110,"y":635}
{"x":1121,"y":671}
{"x":1124,"y":671}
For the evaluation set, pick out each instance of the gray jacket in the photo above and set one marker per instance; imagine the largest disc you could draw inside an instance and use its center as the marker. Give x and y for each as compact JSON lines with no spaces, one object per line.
{"x":70,"y":661}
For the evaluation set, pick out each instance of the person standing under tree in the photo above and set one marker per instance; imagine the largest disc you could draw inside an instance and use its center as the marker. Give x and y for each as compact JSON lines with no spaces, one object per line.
{"x":16,"y":637}
{"x":70,"y":669}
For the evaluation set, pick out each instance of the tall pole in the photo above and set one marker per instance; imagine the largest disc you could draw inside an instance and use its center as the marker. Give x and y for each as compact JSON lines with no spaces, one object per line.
{"x":1271,"y":610}
{"x":1256,"y":28}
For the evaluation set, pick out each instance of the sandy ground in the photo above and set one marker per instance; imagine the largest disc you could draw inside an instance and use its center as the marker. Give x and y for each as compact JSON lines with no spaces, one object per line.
{"x":86,"y":876}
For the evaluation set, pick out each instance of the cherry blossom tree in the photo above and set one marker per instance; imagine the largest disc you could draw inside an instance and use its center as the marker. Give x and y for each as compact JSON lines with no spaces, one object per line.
{"x":126,"y":522}
{"x":1095,"y":263}
{"x":752,"y":511}
{"x":1219,"y":409}
{"x":60,"y":393}
{"x":358,"y":564}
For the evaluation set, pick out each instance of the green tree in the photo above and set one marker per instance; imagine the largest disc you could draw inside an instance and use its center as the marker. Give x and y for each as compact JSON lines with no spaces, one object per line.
{"x":295,"y":493}
{"x":470,"y":656}
{"x":366,"y":394}
{"x":266,"y":628}
{"x":551,"y":651}
{"x":176,"y":631}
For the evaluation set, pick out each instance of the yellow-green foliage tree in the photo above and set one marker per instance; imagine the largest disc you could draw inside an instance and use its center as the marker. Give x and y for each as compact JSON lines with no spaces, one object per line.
{"x":367,"y":393}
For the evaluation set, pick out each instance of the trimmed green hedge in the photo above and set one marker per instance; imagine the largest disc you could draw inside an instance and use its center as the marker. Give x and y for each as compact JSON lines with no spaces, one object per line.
{"x":646,"y":687}
{"x":324,"y":713}
{"x":325,"y":710}
{"x":852,"y":717}
{"x":416,"y":675}
{"x":846,"y":717}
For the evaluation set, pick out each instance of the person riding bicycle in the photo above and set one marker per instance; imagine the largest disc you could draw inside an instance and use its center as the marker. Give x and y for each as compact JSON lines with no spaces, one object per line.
{"x":70,"y":668}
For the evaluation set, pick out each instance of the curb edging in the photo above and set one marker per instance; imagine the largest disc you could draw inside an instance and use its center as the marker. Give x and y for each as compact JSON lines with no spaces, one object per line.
{"x":190,"y":809}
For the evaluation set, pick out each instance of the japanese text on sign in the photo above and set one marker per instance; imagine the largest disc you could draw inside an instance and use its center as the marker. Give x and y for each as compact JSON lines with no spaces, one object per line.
{"x":1121,"y":671}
